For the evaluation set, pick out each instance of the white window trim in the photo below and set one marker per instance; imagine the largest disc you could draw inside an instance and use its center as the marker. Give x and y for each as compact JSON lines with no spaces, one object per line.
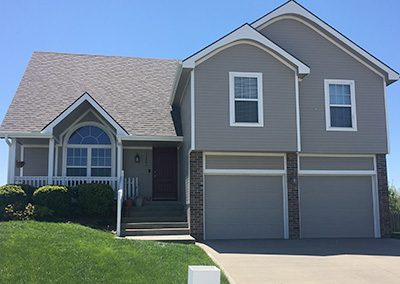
{"x":259,"y":100}
{"x":351,"y":83}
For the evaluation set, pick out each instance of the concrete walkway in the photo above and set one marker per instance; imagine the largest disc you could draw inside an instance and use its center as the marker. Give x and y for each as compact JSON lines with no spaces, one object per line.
{"x":308,"y":261}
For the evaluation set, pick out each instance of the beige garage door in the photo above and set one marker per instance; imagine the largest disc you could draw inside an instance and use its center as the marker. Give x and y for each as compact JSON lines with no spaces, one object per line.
{"x":336,"y":207}
{"x":243,"y":207}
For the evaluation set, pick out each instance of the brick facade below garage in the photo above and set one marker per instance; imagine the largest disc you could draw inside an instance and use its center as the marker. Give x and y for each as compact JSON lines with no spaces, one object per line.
{"x":293,"y":195}
{"x":196,"y":195}
{"x":383,"y":195}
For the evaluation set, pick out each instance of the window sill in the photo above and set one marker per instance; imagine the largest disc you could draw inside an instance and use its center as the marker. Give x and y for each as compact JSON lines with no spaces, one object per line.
{"x":346,"y":129}
{"x":246,"y":124}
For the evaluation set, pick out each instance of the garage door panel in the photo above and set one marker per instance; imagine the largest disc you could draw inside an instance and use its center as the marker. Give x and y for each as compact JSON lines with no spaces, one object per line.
{"x":243,"y":207}
{"x":336,"y":206}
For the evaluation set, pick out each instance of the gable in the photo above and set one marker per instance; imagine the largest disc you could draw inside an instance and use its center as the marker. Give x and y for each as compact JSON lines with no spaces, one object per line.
{"x":292,"y":9}
{"x":247,"y":34}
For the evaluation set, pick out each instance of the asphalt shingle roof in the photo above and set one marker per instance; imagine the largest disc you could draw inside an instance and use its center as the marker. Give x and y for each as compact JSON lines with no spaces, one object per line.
{"x":134,"y":91}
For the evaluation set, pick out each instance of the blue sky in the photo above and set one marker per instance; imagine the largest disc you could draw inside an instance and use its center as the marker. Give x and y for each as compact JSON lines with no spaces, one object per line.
{"x":176,"y":29}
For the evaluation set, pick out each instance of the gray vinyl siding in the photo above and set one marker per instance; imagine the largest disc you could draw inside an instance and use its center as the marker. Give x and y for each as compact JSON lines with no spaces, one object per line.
{"x":36,"y":161}
{"x":213,"y":130}
{"x":243,"y":207}
{"x":327,"y":61}
{"x":245,"y":162}
{"x":336,"y":207}
{"x":336,"y":163}
{"x":60,"y":161}
{"x":143,"y":170}
{"x":185,"y":111}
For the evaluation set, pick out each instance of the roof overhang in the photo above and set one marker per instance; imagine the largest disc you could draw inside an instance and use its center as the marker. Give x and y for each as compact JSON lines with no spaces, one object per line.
{"x":17,"y":134}
{"x":293,"y":8}
{"x":243,"y":34}
{"x":48,"y":129}
{"x":151,"y":138}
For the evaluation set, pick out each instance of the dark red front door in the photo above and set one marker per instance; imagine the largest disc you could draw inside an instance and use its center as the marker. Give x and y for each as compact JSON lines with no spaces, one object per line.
{"x":165,"y":174}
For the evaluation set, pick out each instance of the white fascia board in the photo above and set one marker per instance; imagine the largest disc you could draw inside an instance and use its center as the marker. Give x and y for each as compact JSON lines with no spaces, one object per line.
{"x":151,"y":138}
{"x":16,"y":134}
{"x":85,"y":97}
{"x":246,"y":32}
{"x":292,"y":7}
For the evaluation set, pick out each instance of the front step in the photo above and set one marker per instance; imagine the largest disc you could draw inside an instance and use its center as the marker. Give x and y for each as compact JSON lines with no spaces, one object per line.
{"x":156,"y":225}
{"x":157,"y":232}
{"x":148,"y":219}
{"x":182,"y":239}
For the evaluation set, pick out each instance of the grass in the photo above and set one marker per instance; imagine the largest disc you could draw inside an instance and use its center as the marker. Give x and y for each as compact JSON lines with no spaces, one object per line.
{"x":41,"y":252}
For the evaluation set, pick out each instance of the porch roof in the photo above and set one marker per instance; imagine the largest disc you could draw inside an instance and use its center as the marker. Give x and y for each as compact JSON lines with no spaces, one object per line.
{"x":134,"y":91}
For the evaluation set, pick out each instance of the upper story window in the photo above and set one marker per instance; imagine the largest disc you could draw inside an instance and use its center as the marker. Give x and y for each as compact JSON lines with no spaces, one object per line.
{"x":340,"y":105}
{"x":245,"y":99}
{"x":89,"y":152}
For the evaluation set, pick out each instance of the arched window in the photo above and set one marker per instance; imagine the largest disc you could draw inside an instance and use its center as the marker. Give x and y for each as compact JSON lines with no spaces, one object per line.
{"x":89,"y":152}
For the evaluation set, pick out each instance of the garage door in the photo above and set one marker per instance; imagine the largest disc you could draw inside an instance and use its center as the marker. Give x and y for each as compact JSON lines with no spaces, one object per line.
{"x":243,"y":207}
{"x":336,"y":206}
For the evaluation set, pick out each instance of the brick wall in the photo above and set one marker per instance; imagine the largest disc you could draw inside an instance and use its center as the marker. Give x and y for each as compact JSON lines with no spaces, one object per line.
{"x":196,"y":195}
{"x":293,"y":195}
{"x":383,"y":195}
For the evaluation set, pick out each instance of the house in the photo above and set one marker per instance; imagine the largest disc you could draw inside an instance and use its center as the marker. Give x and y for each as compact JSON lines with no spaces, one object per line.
{"x":276,"y":130}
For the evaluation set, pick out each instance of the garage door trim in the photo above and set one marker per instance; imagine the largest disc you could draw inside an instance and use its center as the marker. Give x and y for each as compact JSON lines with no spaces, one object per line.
{"x":371,"y":173}
{"x":249,"y":172}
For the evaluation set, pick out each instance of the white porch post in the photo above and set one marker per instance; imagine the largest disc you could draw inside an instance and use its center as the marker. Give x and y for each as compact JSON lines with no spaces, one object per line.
{"x":12,"y":147}
{"x":119,"y":157}
{"x":50,"y":168}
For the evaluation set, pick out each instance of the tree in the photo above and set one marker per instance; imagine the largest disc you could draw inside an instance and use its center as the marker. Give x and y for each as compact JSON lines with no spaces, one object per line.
{"x":394,"y":199}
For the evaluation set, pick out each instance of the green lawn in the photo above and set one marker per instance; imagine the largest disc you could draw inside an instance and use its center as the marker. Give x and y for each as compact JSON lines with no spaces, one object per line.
{"x":40,"y":252}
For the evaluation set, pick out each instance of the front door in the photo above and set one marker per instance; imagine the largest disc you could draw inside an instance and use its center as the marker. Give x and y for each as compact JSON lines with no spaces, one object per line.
{"x":165,"y":174}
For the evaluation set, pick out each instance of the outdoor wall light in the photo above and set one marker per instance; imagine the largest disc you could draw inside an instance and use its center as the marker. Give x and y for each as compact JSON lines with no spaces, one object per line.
{"x":137,"y":158}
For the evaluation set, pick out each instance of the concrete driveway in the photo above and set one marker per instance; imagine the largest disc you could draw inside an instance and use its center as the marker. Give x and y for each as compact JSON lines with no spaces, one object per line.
{"x":308,"y":261}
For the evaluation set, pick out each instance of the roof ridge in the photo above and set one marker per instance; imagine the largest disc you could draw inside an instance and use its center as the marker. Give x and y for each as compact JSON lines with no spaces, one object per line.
{"x":101,"y":55}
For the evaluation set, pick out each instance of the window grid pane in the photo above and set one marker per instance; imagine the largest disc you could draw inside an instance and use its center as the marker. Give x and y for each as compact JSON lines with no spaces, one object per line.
{"x":246,"y":88}
{"x":341,"y":117}
{"x":246,"y":111}
{"x":89,"y":135}
{"x":76,"y":157}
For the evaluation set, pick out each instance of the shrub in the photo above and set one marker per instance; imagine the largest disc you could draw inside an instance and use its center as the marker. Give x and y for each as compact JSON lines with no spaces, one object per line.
{"x":95,"y":199}
{"x":26,"y":213}
{"x":12,"y":194}
{"x":55,"y":198}
{"x":29,"y":190}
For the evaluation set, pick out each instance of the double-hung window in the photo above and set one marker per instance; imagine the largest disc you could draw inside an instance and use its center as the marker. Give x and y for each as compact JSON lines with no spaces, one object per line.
{"x":246,"y":99}
{"x":340,"y":105}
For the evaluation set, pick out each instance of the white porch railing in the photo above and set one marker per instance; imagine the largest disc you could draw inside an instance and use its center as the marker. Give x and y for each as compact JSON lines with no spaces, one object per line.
{"x":131,"y":188}
{"x":37,"y":181}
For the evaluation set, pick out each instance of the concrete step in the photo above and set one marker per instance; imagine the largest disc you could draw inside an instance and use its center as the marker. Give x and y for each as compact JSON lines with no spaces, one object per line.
{"x":156,"y":225}
{"x":155,"y":213}
{"x":157,"y":208}
{"x":144,"y":219}
{"x":156,"y":232}
{"x":185,"y":239}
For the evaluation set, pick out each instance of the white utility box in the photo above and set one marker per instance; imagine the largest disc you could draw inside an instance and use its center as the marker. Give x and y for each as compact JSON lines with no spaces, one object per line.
{"x":199,"y":274}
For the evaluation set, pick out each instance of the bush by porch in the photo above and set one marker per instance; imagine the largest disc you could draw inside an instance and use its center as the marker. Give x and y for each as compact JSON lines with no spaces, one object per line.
{"x":86,"y":203}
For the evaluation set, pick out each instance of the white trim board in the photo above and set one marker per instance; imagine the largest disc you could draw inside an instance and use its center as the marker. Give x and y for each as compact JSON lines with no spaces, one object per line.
{"x":328,"y":105}
{"x":233,"y":99}
{"x":151,"y":138}
{"x":85,"y":97}
{"x":293,"y":8}
{"x":245,"y":32}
